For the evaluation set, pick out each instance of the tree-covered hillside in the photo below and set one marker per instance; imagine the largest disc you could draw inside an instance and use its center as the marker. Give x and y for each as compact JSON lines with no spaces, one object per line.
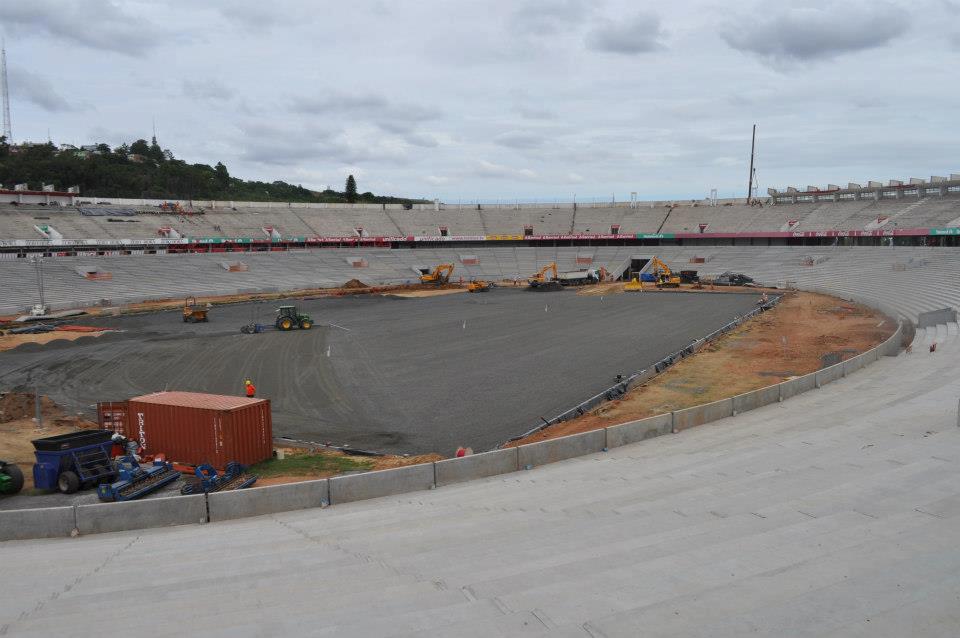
{"x":144,"y":170}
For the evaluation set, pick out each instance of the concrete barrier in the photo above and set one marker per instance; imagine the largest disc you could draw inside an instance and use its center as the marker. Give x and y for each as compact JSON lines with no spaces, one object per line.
{"x":756,"y":399}
{"x":359,"y":487}
{"x":793,"y":387}
{"x":47,"y":522}
{"x":700,"y":414}
{"x":257,"y":501}
{"x":853,"y":364}
{"x":154,"y":512}
{"x":828,"y":375}
{"x":871,"y":355}
{"x":567,"y":447}
{"x":476,"y":466}
{"x":641,"y":430}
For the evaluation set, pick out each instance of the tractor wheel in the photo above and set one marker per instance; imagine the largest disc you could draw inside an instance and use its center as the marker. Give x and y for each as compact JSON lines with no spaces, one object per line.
{"x":16,"y":477}
{"x":286,"y":323}
{"x":306,"y":324}
{"x":68,"y":482}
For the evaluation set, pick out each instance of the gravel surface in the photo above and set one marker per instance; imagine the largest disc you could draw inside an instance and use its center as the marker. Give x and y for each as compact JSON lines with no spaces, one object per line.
{"x":382,"y":373}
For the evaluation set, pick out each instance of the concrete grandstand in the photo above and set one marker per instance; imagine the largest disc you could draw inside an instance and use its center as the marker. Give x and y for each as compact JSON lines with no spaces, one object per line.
{"x":834,"y":513}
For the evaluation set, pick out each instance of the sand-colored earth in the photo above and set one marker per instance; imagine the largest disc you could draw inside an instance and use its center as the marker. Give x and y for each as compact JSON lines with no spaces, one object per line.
{"x":782,"y":343}
{"x":9,"y":341}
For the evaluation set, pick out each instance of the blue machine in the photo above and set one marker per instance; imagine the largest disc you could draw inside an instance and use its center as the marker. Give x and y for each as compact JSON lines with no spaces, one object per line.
{"x":134,"y":480}
{"x":69,"y":462}
{"x":648,"y":277}
{"x":208,"y":480}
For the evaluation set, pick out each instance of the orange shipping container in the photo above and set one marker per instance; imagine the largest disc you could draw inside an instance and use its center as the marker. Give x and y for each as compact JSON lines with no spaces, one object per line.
{"x":194,"y":428}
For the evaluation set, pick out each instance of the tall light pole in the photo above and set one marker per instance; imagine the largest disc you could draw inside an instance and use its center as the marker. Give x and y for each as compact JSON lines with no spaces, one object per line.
{"x":753,"y":146}
{"x":38,"y":265}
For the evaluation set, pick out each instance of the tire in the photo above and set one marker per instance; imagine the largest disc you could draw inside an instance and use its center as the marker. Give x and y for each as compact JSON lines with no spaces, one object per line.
{"x":286,"y":324}
{"x":68,"y":482}
{"x":306,"y":325}
{"x":16,"y":477}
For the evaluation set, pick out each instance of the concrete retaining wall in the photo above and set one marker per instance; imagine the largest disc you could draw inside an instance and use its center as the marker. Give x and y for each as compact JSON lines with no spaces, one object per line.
{"x":828,"y":375}
{"x":756,"y":399}
{"x":793,"y":387}
{"x":257,"y":501}
{"x":155,"y":512}
{"x":853,"y":364}
{"x":359,"y":487}
{"x":566,"y":447}
{"x":641,"y":430}
{"x":700,"y":414}
{"x":476,"y":466}
{"x":47,"y":522}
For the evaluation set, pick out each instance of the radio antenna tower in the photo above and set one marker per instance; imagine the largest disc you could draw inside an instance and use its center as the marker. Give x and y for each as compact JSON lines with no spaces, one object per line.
{"x":6,"y":93}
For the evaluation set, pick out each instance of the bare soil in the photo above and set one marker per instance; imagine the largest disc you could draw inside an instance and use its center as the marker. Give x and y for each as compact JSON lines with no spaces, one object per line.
{"x":782,"y":343}
{"x":18,"y":427}
{"x":9,"y":341}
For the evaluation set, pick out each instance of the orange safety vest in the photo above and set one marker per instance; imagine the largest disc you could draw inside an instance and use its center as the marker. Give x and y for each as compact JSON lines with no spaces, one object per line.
{"x":251,"y":391}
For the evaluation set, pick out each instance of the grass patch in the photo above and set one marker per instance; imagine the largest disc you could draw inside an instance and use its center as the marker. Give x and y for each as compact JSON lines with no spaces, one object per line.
{"x":310,"y":465}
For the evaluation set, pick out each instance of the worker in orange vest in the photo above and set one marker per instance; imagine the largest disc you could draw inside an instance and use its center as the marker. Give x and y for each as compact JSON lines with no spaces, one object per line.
{"x":251,"y":389}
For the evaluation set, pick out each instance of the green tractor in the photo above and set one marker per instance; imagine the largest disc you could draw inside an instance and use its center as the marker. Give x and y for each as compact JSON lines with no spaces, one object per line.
{"x":11,"y":478}
{"x":288,"y":318}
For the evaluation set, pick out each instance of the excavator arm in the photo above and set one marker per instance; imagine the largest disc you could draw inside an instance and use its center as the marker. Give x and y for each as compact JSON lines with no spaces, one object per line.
{"x":440,"y":275}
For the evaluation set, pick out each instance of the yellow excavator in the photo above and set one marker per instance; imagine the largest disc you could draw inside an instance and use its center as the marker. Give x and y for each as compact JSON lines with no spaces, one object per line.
{"x":665,"y":276}
{"x":540,"y":281}
{"x":438,"y":276}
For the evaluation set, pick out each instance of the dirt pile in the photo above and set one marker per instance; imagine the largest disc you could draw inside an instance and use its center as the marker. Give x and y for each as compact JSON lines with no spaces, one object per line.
{"x":20,"y":405}
{"x":353,"y":284}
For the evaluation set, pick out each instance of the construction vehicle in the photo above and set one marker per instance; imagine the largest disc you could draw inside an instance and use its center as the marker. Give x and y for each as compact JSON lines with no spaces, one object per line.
{"x":194,"y":312}
{"x":289,"y":317}
{"x":664,"y":276}
{"x":634,"y":285}
{"x":539,"y":281}
{"x":73,"y":461}
{"x":478,"y":286}
{"x":11,"y":478}
{"x":438,"y":276}
{"x":207,"y":479}
{"x":134,"y":481}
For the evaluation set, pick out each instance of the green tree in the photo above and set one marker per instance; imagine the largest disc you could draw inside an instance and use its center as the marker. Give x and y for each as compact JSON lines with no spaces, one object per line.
{"x":350,"y":191}
{"x":140,"y":147}
{"x":223,"y":176}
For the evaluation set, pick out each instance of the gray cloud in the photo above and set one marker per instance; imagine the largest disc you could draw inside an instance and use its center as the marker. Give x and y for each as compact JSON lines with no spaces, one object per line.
{"x":366,"y":107}
{"x":38,"y":90}
{"x":790,"y":34}
{"x":639,"y":34}
{"x":96,"y":24}
{"x":547,"y":17}
{"x":519,"y":139}
{"x":206,"y":90}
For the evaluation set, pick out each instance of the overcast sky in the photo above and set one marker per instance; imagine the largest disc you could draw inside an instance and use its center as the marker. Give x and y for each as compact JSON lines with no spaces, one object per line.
{"x":501,"y":98}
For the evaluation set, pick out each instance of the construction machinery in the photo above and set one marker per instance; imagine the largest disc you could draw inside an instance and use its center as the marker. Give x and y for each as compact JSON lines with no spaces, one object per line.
{"x":540,"y":281}
{"x":439,"y":276}
{"x":194,"y":312}
{"x":11,"y":478}
{"x":69,"y":462}
{"x":289,"y":317}
{"x":478,"y":286}
{"x":134,"y":480}
{"x":207,"y":479}
{"x":634,"y":285}
{"x":664,"y":276}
